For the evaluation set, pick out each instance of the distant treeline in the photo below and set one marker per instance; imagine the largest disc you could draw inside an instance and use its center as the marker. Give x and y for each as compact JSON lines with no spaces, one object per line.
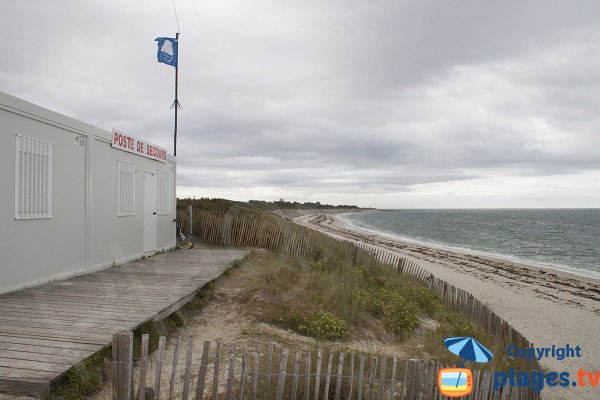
{"x":206,"y":203}
{"x":282,"y":204}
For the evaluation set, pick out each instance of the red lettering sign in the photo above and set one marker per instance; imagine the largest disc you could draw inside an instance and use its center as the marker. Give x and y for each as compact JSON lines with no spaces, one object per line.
{"x":134,"y":145}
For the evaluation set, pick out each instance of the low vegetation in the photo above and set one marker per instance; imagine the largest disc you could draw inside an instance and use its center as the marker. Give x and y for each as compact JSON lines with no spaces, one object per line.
{"x":83,"y":379}
{"x":327,"y":299}
{"x":331,"y":301}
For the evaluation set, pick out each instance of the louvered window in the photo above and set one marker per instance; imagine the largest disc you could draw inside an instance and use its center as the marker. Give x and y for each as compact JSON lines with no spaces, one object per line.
{"x":164,"y":192}
{"x":126,"y":189}
{"x":33,"y":178}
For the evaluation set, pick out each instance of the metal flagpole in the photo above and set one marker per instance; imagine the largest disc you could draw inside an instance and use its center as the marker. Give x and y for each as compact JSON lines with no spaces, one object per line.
{"x":176,"y":102}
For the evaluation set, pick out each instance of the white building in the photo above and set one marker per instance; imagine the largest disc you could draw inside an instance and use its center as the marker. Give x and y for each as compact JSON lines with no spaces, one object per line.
{"x":75,"y":198}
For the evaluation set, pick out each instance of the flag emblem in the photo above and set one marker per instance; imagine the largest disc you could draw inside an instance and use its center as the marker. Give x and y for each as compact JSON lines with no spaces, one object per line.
{"x":167,"y":50}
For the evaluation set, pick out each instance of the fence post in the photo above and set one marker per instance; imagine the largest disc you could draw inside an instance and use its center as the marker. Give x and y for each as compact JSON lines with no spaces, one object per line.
{"x":269,"y":369}
{"x":383,"y":371}
{"x":188,"y":368}
{"x":282,"y":370}
{"x":190,"y":220}
{"x":338,"y":383}
{"x":215,"y":395}
{"x":143,"y":366}
{"x":373,"y":372}
{"x":256,"y":372}
{"x":230,"y":375}
{"x":296,"y":374}
{"x":243,"y":371}
{"x":159,"y":363}
{"x":361,"y":371}
{"x":202,"y":372}
{"x":412,"y":386}
{"x":307,"y":377}
{"x":318,"y":374}
{"x":404,"y":380}
{"x":328,"y":376}
{"x":393,"y":379}
{"x":174,"y":370}
{"x":351,"y":377}
{"x":123,"y":365}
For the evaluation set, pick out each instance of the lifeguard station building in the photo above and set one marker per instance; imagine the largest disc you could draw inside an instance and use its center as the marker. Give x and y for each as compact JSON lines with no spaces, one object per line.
{"x":75,"y":198}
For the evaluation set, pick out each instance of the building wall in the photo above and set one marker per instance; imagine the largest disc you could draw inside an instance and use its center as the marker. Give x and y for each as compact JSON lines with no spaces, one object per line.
{"x":84,"y":233}
{"x":113,"y":235}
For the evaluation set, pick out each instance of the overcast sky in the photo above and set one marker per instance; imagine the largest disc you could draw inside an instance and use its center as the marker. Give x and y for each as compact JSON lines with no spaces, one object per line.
{"x":391,"y":104}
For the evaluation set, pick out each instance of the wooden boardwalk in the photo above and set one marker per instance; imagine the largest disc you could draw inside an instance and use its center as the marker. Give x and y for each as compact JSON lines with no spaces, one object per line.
{"x":46,"y":330}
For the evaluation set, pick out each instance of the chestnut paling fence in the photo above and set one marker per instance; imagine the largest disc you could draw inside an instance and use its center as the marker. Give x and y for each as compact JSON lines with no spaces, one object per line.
{"x":251,"y":373}
{"x":266,"y":371}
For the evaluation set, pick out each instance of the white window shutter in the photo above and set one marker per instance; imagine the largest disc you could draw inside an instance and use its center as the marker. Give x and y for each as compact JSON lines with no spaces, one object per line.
{"x":33,"y":178}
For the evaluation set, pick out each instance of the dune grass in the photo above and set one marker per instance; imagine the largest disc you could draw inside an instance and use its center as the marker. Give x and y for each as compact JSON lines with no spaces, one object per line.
{"x":330,"y":300}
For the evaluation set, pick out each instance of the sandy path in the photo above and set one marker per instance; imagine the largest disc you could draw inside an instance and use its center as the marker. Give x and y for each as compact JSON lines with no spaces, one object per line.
{"x":548,"y":307}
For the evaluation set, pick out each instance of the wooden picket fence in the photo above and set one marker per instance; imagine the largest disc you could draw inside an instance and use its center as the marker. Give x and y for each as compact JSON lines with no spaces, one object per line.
{"x":240,"y":227}
{"x":266,"y":372}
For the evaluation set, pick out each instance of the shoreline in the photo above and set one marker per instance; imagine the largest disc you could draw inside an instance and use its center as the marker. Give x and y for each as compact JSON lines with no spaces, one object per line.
{"x":548,"y":306}
{"x":565,"y":270}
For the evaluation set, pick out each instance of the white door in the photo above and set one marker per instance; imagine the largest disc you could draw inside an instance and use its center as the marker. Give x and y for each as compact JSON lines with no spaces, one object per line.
{"x":150,"y":210}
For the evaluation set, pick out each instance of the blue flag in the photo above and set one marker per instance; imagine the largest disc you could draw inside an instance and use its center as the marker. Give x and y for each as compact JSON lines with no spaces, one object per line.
{"x":167,"y":51}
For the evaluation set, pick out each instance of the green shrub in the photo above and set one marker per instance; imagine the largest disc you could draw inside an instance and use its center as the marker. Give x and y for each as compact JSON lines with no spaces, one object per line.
{"x":426,"y":299}
{"x":462,"y":326}
{"x":175,"y":321}
{"x":400,"y":316}
{"x":374,"y":300}
{"x":371,"y":280}
{"x":84,"y":379}
{"x":321,"y":325}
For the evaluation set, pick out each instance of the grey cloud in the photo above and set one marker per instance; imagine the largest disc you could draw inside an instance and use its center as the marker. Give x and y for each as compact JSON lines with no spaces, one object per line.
{"x":326,"y":97}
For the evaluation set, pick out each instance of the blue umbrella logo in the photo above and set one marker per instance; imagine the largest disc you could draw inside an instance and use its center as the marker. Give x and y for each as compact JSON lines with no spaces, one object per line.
{"x":469,"y":349}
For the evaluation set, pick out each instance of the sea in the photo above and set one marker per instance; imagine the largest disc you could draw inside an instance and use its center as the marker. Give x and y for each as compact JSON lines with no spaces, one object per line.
{"x":563,"y":239}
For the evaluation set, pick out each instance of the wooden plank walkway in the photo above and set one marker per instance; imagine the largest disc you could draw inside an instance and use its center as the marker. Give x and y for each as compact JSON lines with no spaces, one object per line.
{"x":46,"y":330}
